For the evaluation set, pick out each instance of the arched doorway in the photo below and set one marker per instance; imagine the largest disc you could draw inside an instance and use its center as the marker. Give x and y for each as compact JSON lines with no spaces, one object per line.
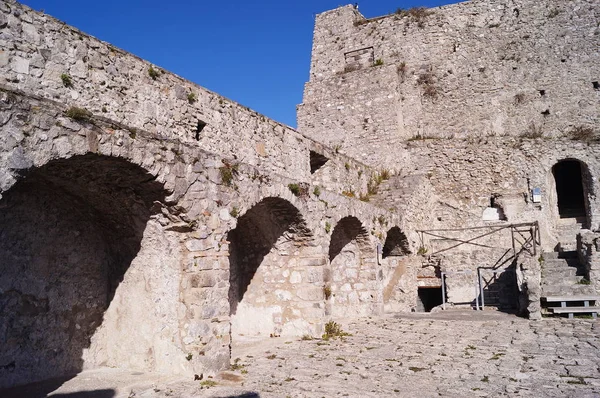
{"x":267,"y":282}
{"x":570,"y":189}
{"x":352,"y":279}
{"x":69,"y":232}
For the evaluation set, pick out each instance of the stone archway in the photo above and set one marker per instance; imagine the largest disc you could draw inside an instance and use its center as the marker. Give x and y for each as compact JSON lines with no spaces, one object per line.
{"x":352,"y":277}
{"x":86,"y":271}
{"x":573,"y":185}
{"x":269,"y":291}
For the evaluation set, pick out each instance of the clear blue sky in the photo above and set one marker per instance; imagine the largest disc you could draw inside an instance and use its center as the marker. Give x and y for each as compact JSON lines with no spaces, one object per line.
{"x":253,"y":52}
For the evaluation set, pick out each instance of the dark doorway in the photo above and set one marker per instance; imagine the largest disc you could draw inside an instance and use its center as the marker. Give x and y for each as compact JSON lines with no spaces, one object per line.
{"x":429,"y":297}
{"x":569,"y":189}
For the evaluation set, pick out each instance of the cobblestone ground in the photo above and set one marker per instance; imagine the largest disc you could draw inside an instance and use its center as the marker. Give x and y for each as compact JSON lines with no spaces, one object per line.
{"x":449,"y":354}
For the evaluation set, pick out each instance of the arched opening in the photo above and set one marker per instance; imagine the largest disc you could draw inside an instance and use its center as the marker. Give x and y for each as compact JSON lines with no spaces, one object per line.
{"x":568,"y":177}
{"x":396,"y":243}
{"x":264,"y":272}
{"x":353,"y":275}
{"x":69,"y":231}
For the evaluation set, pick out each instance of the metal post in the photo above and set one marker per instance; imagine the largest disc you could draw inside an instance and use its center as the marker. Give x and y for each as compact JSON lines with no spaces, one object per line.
{"x":481,"y":288}
{"x":443,"y":290}
{"x":476,"y":296}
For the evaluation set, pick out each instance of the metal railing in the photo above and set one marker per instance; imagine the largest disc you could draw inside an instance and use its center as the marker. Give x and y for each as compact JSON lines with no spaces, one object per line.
{"x":524,"y":237}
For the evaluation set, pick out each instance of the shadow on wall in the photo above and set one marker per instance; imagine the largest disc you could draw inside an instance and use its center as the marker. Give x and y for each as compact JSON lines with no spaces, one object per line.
{"x":256,"y":234}
{"x":68,"y":232}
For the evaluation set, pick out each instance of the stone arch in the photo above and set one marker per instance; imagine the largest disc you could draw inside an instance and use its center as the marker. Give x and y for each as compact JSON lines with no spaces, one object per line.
{"x":268,"y":282}
{"x":352,"y":277}
{"x":75,"y":236}
{"x":396,"y":243}
{"x":573,"y":186}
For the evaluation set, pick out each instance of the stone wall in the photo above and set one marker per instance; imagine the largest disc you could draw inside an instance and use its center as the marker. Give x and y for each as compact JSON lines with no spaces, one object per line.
{"x":471,"y":69}
{"x":139,"y":227}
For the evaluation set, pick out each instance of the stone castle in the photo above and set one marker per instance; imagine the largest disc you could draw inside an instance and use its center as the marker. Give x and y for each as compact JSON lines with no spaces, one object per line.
{"x":443,"y":157}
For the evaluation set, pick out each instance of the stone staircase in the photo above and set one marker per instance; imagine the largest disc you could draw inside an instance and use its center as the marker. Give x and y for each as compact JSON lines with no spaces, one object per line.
{"x":565,"y":284}
{"x":567,"y":231}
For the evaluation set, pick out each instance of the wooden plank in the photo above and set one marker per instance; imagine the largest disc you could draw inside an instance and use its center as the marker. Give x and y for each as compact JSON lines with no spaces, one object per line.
{"x":573,"y":310}
{"x":552,"y":299}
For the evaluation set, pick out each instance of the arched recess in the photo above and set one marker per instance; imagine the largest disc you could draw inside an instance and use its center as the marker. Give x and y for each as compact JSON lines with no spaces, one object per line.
{"x":71,"y":232}
{"x":574,"y":185}
{"x":396,"y":243}
{"x":269,"y":288}
{"x":353,"y":276}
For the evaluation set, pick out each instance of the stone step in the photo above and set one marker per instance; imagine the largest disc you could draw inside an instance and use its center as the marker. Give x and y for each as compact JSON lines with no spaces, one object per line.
{"x":559,"y":255}
{"x":559,"y":272}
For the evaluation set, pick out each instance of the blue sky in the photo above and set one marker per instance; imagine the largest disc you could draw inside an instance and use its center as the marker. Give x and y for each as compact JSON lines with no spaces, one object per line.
{"x":253,"y":52}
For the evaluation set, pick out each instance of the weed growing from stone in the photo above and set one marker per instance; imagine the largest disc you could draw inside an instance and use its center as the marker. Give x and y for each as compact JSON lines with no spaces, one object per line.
{"x":378,"y":62}
{"x":66,"y":80}
{"x":228,"y":171}
{"x":416,"y":14}
{"x":333,"y":330}
{"x":485,"y":379}
{"x":327,"y":226}
{"x":189,"y":356}
{"x":153,"y":73}
{"x":191,"y":97}
{"x":583,"y":281}
{"x":208,"y":383}
{"x":327,"y":292}
{"x":234,"y":212}
{"x":416,"y":369}
{"x":583,"y":133}
{"x":79,"y":114}
{"x":317,"y":191}
{"x":349,"y":194}
{"x":422,"y":251}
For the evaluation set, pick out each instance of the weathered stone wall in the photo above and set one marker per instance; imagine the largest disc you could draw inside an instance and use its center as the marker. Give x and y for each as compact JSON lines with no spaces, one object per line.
{"x":140,"y":225}
{"x":471,"y":69}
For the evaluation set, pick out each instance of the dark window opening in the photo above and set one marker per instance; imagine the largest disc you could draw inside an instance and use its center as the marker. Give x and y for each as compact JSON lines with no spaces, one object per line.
{"x":316,"y":161}
{"x":596,"y":85}
{"x":494,"y":204}
{"x":569,"y":189}
{"x":199,"y":129}
{"x":429,"y":297}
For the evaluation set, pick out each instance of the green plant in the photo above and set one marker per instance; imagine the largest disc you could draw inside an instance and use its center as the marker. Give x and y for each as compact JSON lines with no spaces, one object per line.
{"x":272,"y":356}
{"x":153,"y":73}
{"x":307,"y":337}
{"x":327,"y":292}
{"x":422,"y":251}
{"x":191,"y":97}
{"x":208,"y":383}
{"x":79,"y":114}
{"x":327,"y":226}
{"x":317,"y":191}
{"x":234,"y":212}
{"x":584,"y":281}
{"x":228,"y":171}
{"x":485,"y":379}
{"x":347,"y":166}
{"x":295,"y":188}
{"x":378,"y":62}
{"x":189,"y":356}
{"x":349,"y":193}
{"x":66,"y":80}
{"x":416,"y":14}
{"x":333,"y":330}
{"x":364,"y":197}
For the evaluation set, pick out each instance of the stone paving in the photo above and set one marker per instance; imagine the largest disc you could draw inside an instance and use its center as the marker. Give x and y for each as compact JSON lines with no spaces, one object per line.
{"x":449,"y":354}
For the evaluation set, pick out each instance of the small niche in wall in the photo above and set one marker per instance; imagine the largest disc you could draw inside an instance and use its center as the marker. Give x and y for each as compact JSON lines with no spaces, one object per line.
{"x":542,"y":93}
{"x":546,"y":112}
{"x":316,"y":161}
{"x":199,"y":127}
{"x":495,"y":212}
{"x":596,"y":85}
